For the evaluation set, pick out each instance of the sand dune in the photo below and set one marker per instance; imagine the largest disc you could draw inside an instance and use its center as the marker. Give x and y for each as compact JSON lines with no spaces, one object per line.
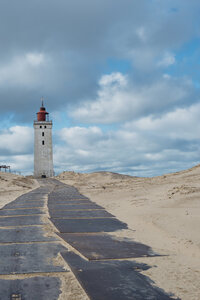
{"x":164,"y":212}
{"x":12,"y":186}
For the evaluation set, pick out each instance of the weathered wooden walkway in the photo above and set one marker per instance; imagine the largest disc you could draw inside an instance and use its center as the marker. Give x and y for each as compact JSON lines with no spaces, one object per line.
{"x":102,"y":263}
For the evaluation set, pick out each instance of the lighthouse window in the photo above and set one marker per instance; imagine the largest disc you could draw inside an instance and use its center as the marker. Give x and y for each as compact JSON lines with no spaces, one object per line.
{"x":40,"y":126}
{"x":42,"y":142}
{"x":43,"y":134}
{"x":45,"y":126}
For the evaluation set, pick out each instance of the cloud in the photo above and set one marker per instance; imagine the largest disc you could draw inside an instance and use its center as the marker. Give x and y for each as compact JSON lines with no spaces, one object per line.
{"x":35,"y":59}
{"x":141,"y":33}
{"x":22,"y":70}
{"x":16,"y":140}
{"x":62,"y":50}
{"x":167,"y":60}
{"x":19,"y":163}
{"x":181,"y":123}
{"x":84,"y":136}
{"x":147,"y":146}
{"x":16,"y":148}
{"x":118,"y":99}
{"x":59,"y":50}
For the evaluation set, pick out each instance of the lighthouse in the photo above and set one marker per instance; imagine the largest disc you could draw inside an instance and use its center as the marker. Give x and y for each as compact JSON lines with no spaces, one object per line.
{"x":43,"y":153}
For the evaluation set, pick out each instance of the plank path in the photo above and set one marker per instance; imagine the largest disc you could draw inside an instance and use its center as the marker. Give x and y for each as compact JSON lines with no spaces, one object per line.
{"x":55,"y":220}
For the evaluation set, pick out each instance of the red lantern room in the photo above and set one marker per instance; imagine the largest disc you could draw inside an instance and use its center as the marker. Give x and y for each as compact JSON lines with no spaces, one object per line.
{"x":42,"y":115}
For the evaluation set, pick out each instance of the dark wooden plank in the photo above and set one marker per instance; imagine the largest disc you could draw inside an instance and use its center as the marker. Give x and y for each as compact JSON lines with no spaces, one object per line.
{"x":113,"y":280}
{"x":88,"y":225}
{"x":24,"y":234}
{"x":74,"y":214}
{"x":20,"y":221}
{"x":104,"y":246}
{"x":74,"y":207}
{"x":21,"y":212}
{"x":24,"y":204}
{"x":35,"y":288}
{"x":72,"y":202}
{"x":30,"y":258}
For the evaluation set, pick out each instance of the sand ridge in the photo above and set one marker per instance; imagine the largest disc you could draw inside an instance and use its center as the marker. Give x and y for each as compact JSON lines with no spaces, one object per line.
{"x":13,"y":186}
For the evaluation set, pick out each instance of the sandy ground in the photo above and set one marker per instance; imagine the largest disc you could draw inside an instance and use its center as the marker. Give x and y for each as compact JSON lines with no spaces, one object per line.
{"x":12,"y":186}
{"x":163,"y":212}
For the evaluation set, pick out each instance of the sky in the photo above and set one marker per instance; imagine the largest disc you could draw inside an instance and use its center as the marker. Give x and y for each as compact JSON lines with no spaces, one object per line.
{"x":120,"y":79}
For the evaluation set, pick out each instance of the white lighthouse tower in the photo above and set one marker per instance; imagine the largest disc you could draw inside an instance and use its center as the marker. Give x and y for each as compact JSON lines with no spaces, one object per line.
{"x":43,"y":153}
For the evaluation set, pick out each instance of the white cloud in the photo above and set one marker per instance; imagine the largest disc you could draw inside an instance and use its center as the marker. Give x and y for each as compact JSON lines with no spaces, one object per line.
{"x":182,"y":123}
{"x":20,"y":163}
{"x":147,"y":146}
{"x":119,"y":100}
{"x":114,"y":80}
{"x":16,"y":139}
{"x":141,"y":33}
{"x":80,"y":136}
{"x":16,"y":148}
{"x":35,"y":59}
{"x":22,"y":70}
{"x":167,"y":60}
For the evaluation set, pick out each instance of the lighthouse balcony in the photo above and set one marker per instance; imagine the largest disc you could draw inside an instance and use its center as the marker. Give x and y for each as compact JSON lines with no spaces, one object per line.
{"x":43,"y":122}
